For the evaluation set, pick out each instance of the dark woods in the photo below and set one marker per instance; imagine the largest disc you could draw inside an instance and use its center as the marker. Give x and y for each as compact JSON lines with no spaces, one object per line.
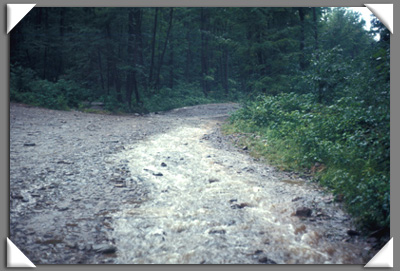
{"x":312,"y":80}
{"x":134,"y":58}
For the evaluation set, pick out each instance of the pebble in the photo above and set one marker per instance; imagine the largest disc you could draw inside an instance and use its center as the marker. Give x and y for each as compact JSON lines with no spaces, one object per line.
{"x":217,"y":232}
{"x":29,"y":144}
{"x":62,"y":207}
{"x":303,"y":211}
{"x":213,"y":180}
{"x":240,"y":206}
{"x":266,"y":260}
{"x":296,"y":199}
{"x":352,"y":233}
{"x":104,"y":248}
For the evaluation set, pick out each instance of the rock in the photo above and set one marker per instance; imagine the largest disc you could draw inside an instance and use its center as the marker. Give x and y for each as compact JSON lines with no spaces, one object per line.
{"x":70,"y":244}
{"x":163,"y":164}
{"x":29,"y":232}
{"x":217,"y":232}
{"x":62,"y":207}
{"x":240,"y":206}
{"x":104,"y":248}
{"x":64,"y":162}
{"x":29,"y":144}
{"x":339,"y":198}
{"x":213,"y":180}
{"x":296,"y":199}
{"x":380,"y":233}
{"x":328,"y":199}
{"x":81,"y":246}
{"x":303,"y":211}
{"x":300,"y":229}
{"x":265,"y":260}
{"x":16,"y":196}
{"x":352,"y":233}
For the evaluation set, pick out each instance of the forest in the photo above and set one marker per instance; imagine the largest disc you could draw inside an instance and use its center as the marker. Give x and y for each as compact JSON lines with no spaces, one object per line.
{"x":313,"y":82}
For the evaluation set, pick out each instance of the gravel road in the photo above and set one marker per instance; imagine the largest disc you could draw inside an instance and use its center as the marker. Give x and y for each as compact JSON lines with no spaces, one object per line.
{"x":162,"y":188}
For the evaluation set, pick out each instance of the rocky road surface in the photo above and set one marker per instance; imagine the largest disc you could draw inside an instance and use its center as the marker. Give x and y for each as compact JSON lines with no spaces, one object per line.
{"x":162,"y":188}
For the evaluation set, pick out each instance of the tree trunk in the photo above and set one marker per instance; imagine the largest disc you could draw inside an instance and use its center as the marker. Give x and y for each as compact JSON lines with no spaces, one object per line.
{"x":153,"y":46}
{"x":61,"y":53}
{"x":226,"y":70}
{"x":188,"y":54}
{"x":46,"y":24}
{"x":302,"y":59}
{"x":110,"y":60}
{"x":315,"y":25}
{"x":100,"y":68}
{"x":164,"y":49}
{"x":131,"y":82}
{"x":204,"y":27}
{"x":171,"y":66}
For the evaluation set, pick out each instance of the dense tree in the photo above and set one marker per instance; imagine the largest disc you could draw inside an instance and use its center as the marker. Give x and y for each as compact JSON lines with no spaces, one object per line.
{"x":113,"y":53}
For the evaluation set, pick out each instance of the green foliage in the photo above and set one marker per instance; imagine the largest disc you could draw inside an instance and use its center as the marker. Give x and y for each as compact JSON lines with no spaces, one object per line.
{"x":351,"y":140}
{"x":112,"y":104}
{"x":167,"y":98}
{"x":27,"y":88}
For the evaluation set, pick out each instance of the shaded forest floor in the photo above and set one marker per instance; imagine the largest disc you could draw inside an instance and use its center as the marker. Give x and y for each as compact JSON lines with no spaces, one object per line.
{"x":162,"y":188}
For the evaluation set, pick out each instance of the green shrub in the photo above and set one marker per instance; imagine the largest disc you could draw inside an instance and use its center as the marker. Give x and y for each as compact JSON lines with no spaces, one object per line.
{"x":349,"y":138}
{"x":25,"y":87}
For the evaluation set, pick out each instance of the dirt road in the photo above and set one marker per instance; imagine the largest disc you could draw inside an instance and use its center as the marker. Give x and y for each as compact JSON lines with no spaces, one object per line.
{"x":161,"y":188}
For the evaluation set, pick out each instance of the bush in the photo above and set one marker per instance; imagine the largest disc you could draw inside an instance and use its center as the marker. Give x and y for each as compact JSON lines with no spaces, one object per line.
{"x":350,"y":139}
{"x":25,"y":87}
{"x":167,"y":98}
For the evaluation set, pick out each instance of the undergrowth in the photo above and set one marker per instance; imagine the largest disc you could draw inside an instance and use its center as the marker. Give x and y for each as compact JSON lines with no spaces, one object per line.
{"x":346,"y":145}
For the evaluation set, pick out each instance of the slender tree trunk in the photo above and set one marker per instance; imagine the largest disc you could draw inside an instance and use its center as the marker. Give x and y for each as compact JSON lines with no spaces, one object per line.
{"x":139,"y":48}
{"x":160,"y":64}
{"x":110,"y":60}
{"x":61,"y":51}
{"x":100,"y":68}
{"x":204,"y":49}
{"x":188,"y":54}
{"x":131,"y":74}
{"x":137,"y":53}
{"x":315,"y":26}
{"x":171,"y":66}
{"x":302,"y":58}
{"x":153,"y":46}
{"x":134,"y":17}
{"x":226,"y":69}
{"x":46,"y":24}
